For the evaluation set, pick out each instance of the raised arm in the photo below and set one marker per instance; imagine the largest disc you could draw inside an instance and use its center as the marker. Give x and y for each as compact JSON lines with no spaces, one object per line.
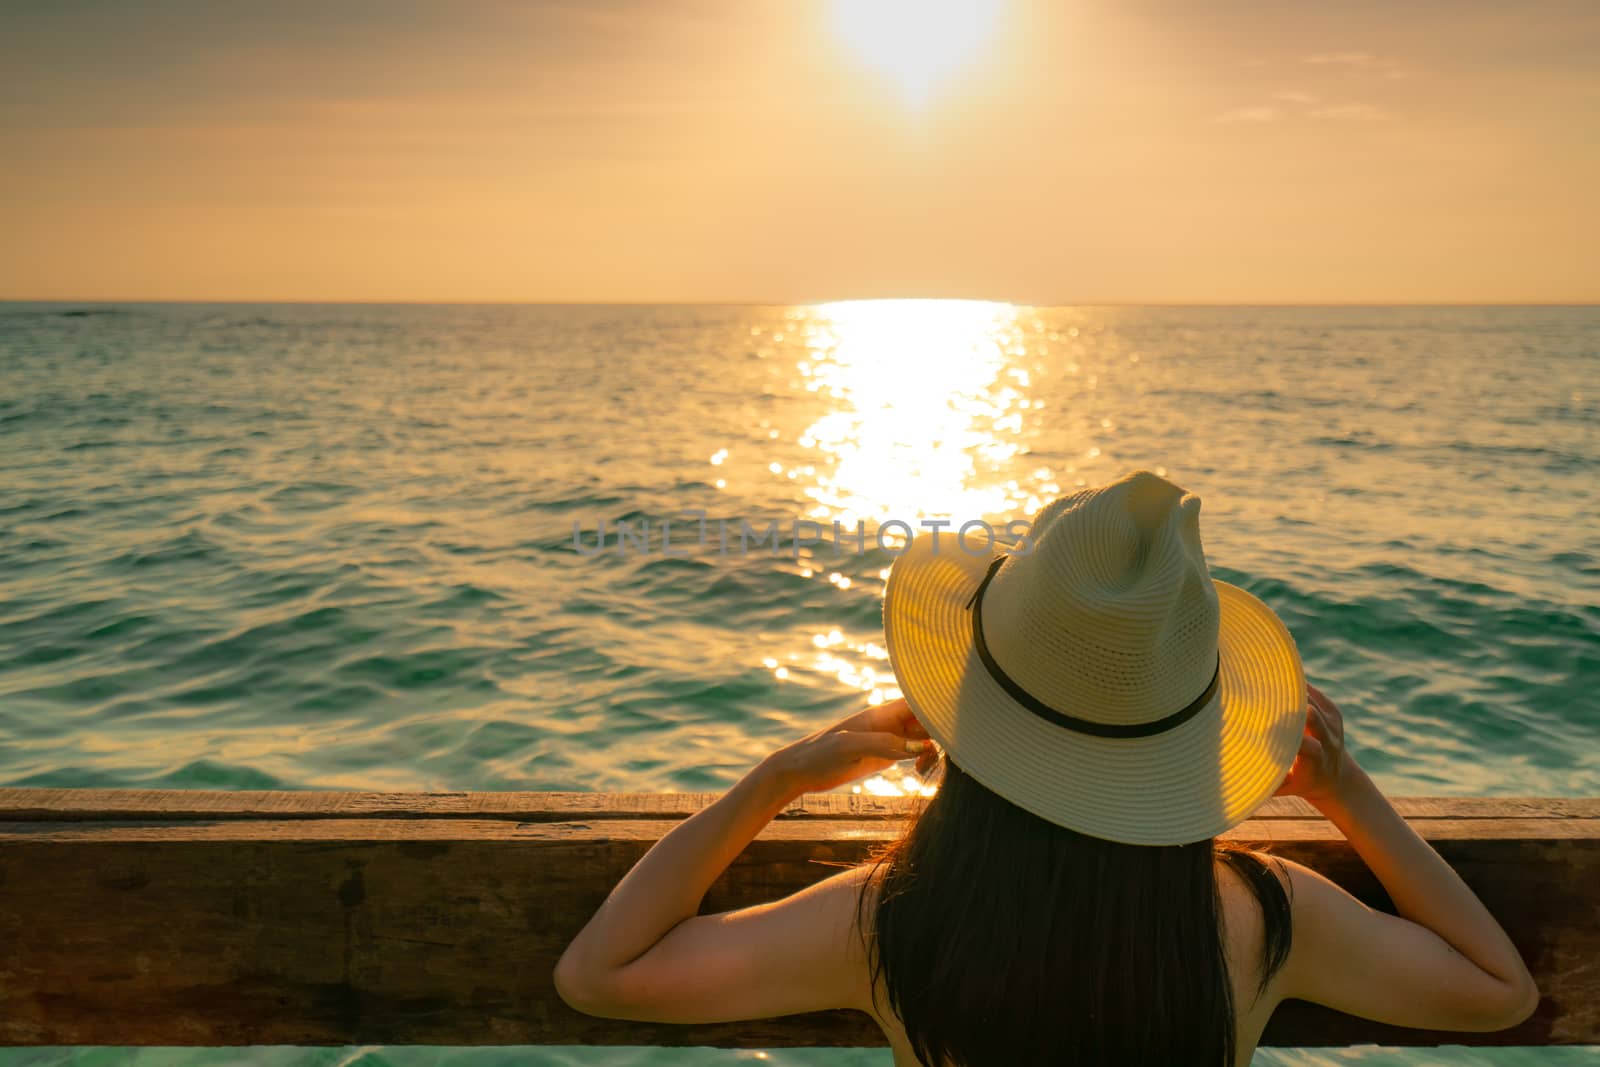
{"x":648,"y":954}
{"x":1442,"y":963}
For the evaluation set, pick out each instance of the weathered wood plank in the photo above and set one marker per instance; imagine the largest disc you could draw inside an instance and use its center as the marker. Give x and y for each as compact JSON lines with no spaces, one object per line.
{"x":197,"y":919}
{"x":1267,"y":831}
{"x":37,"y":805}
{"x":28,"y":805}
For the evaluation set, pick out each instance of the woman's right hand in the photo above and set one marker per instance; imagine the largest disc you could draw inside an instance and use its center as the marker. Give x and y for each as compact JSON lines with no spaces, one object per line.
{"x":1320,"y":767}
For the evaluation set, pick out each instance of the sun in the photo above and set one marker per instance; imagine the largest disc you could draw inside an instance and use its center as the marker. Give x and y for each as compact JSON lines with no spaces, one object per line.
{"x":916,"y":43}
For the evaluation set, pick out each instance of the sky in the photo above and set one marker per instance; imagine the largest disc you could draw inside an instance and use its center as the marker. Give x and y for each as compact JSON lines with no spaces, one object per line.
{"x":791,"y":151}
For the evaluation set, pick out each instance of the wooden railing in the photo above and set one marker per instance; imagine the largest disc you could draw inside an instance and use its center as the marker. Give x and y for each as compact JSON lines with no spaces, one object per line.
{"x":132,"y":917}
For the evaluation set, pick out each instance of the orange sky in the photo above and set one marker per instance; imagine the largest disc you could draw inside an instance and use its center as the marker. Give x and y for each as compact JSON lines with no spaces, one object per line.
{"x":1085,"y":151}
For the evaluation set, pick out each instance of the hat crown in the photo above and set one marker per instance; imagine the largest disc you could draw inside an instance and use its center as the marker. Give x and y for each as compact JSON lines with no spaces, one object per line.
{"x":1111,"y":616}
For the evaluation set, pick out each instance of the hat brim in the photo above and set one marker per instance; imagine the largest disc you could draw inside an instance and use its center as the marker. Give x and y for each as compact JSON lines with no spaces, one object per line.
{"x":1186,"y":784}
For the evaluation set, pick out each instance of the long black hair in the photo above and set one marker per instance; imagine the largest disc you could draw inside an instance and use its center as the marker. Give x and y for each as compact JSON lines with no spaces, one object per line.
{"x":1003,"y":939}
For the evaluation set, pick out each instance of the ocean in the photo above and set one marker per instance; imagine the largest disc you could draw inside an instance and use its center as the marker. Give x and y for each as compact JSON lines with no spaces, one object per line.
{"x":360,"y":546}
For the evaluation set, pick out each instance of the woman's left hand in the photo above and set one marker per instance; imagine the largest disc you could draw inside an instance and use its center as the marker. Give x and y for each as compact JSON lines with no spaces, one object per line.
{"x":865,"y":743}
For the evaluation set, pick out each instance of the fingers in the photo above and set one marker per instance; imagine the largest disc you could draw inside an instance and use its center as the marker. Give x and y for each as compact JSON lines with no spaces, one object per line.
{"x":1327,"y":725}
{"x":895,"y":716}
{"x":1301,"y":769}
{"x":884,"y":744}
{"x":1316,"y":703}
{"x":1321,"y":701}
{"x":876,"y":717}
{"x":1316,"y":721}
{"x":1310,"y":747}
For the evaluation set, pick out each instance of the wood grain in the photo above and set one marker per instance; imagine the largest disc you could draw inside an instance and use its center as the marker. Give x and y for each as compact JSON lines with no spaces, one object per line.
{"x":33,"y":805}
{"x":199,"y":918}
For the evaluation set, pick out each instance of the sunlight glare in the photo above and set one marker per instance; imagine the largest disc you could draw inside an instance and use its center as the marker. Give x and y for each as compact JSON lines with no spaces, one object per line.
{"x":925,"y":410}
{"x":915,"y":43}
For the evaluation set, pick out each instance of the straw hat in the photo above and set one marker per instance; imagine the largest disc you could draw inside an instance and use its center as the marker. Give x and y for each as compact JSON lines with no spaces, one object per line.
{"x":1098,"y":676}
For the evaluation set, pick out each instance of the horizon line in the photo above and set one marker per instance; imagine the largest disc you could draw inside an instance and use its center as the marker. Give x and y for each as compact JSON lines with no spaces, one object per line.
{"x":834,"y":300}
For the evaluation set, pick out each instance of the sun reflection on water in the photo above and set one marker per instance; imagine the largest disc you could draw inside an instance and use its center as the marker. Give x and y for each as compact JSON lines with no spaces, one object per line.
{"x":926,"y":413}
{"x":906,"y":785}
{"x":931,"y":397}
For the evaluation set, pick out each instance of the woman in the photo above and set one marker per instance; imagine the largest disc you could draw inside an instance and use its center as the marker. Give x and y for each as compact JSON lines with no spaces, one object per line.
{"x":1105,"y":710}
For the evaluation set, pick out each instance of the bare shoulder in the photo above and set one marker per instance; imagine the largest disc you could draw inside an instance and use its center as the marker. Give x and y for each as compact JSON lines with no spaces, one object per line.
{"x":845,"y":901}
{"x":860,"y":887}
{"x":1330,"y":925}
{"x":1257,"y":996}
{"x":1246,"y":930}
{"x":849,"y":889}
{"x":1315,"y":897}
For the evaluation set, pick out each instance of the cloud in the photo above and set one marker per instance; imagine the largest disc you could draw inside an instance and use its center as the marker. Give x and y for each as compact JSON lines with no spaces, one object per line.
{"x":1260,"y":113}
{"x":1298,"y":105}
{"x":1352,"y":113}
{"x":1343,"y":59}
{"x":1357,"y":62}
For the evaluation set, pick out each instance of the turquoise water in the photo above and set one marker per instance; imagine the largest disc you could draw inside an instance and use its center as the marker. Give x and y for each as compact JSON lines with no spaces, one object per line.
{"x":332,"y":547}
